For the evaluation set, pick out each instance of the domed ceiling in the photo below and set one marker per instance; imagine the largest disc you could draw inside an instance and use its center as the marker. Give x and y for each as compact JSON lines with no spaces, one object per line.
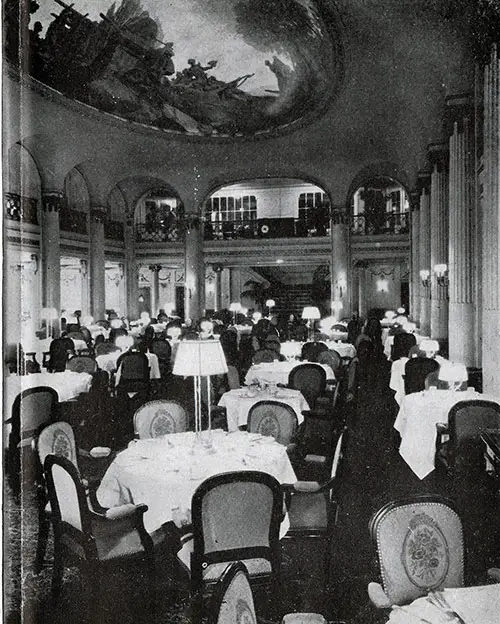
{"x":220,"y":68}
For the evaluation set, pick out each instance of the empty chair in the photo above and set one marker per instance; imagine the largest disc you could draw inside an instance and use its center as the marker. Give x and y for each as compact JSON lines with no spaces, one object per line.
{"x":82,"y":364}
{"x":463,"y":451}
{"x":402,"y":344}
{"x":91,"y":539}
{"x":264,"y":356}
{"x":60,"y":350}
{"x":311,"y":350}
{"x":313,"y":507}
{"x":32,"y":409}
{"x":227,"y":528}
{"x":310,"y":379}
{"x":272,"y":418}
{"x":133,"y":372}
{"x":416,"y":370}
{"x":330,"y":358}
{"x":157,"y":418}
{"x":232,"y":600}
{"x":58,"y":439}
{"x":420,"y":548}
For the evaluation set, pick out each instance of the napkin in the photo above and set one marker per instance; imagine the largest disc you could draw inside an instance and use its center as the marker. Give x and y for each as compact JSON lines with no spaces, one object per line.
{"x":476,"y":605}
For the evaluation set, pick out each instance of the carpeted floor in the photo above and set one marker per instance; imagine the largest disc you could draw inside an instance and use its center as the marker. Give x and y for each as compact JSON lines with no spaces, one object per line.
{"x":374,"y":474}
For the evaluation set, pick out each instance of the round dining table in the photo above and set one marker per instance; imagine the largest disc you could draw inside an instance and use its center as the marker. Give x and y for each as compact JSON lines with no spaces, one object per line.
{"x":164,"y":472}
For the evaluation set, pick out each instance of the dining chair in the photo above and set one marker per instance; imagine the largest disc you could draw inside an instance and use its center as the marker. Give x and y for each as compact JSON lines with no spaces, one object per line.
{"x":133,"y":367}
{"x":163,"y":351}
{"x":95,"y":541}
{"x":310,"y":379}
{"x":273,"y":418}
{"x":416,"y":370}
{"x":420,"y":548}
{"x":226,"y":528}
{"x":158,"y":418}
{"x":82,"y":364}
{"x":58,"y":438}
{"x":330,"y":358}
{"x":402,"y":344}
{"x":232,"y":601}
{"x":319,"y":431}
{"x":32,"y":408}
{"x":459,"y":448}
{"x":313,"y":507}
{"x":60,"y":349}
{"x":311,"y":350}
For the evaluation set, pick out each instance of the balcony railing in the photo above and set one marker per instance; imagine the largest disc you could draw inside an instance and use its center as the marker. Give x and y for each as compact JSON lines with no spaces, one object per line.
{"x":20,"y":208}
{"x":159,"y":233}
{"x":114,"y":230}
{"x":264,"y":228}
{"x":385,"y":223}
{"x":73,"y":221}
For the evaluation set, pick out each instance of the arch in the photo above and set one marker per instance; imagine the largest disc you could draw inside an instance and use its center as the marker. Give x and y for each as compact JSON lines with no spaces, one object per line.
{"x":76,"y":191}
{"x":377,"y":170}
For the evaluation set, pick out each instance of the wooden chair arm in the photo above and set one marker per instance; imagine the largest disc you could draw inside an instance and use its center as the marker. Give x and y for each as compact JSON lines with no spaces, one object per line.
{"x":442,"y":428}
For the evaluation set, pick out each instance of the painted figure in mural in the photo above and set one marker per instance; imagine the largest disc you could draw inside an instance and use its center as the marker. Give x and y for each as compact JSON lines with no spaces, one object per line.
{"x":283,"y":73}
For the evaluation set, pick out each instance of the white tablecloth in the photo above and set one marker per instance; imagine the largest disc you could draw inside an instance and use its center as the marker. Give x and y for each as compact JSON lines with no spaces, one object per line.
{"x":277,"y":372}
{"x":97,"y":330}
{"x":163,"y":473}
{"x":416,"y":423}
{"x":397,"y":382}
{"x":291,"y":349}
{"x":67,"y":384}
{"x":238,"y":403}
{"x":475,"y":605}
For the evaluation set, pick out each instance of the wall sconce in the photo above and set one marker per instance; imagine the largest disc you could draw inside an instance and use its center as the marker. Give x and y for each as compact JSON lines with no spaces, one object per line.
{"x":382,"y":285}
{"x":425,"y":276}
{"x":441,"y":271}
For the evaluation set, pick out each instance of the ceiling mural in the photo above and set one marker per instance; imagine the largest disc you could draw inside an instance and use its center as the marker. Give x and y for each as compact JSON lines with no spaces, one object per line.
{"x":219,"y":68}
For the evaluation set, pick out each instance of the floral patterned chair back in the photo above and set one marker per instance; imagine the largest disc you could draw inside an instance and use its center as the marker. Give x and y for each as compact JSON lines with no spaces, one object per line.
{"x":160,"y":417}
{"x":420,"y":548}
{"x":272,"y":418}
{"x":82,"y":364}
{"x":57,"y":439}
{"x":232,"y":600}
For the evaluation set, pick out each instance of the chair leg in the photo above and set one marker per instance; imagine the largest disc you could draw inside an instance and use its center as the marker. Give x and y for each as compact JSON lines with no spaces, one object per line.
{"x":41,"y":547}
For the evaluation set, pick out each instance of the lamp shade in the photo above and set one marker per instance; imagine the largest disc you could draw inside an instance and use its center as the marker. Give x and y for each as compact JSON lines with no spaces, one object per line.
{"x":453,"y":372}
{"x":235,"y":307}
{"x":311,"y":313}
{"x":197,"y":358}
{"x":270,"y":303}
{"x":50,"y":314}
{"x":429,"y":345}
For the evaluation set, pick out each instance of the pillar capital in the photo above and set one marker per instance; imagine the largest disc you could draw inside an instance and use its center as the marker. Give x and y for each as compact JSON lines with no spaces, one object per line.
{"x":98,"y":214}
{"x":438,"y":155}
{"x":339,"y":215}
{"x":155,"y":268}
{"x":217,"y":268}
{"x":414,"y":197}
{"x":458,"y":108}
{"x":52,"y":200}
{"x":423,"y":182}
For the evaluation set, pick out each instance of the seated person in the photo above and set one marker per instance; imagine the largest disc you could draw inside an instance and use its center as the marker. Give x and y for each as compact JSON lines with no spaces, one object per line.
{"x":272,"y":343}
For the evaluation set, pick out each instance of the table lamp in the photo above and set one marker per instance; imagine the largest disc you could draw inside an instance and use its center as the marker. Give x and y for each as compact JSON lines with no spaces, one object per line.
{"x":49,"y":315}
{"x":430,"y":347}
{"x":200,"y":358}
{"x":311,"y":314}
{"x":234,"y":308}
{"x":454,"y":373}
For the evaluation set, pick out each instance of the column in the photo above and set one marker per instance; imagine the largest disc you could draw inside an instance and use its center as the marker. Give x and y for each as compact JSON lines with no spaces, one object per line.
{"x":438,"y":156}
{"x":415,"y":257}
{"x":194,"y":298}
{"x":97,"y":263}
{"x":155,"y":288}
{"x":340,"y":274}
{"x":424,"y":261}
{"x":52,"y":202}
{"x":462,"y":248}
{"x":491,"y":226}
{"x":131,"y":270}
{"x":218,"y":268}
{"x":84,"y":269}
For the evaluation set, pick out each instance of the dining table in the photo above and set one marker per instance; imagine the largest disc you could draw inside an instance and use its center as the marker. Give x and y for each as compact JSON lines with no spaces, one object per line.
{"x":164,"y":472}
{"x":239,"y":401}
{"x":416,"y":421}
{"x":277,"y":372}
{"x":466,"y":605}
{"x":68,"y":385}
